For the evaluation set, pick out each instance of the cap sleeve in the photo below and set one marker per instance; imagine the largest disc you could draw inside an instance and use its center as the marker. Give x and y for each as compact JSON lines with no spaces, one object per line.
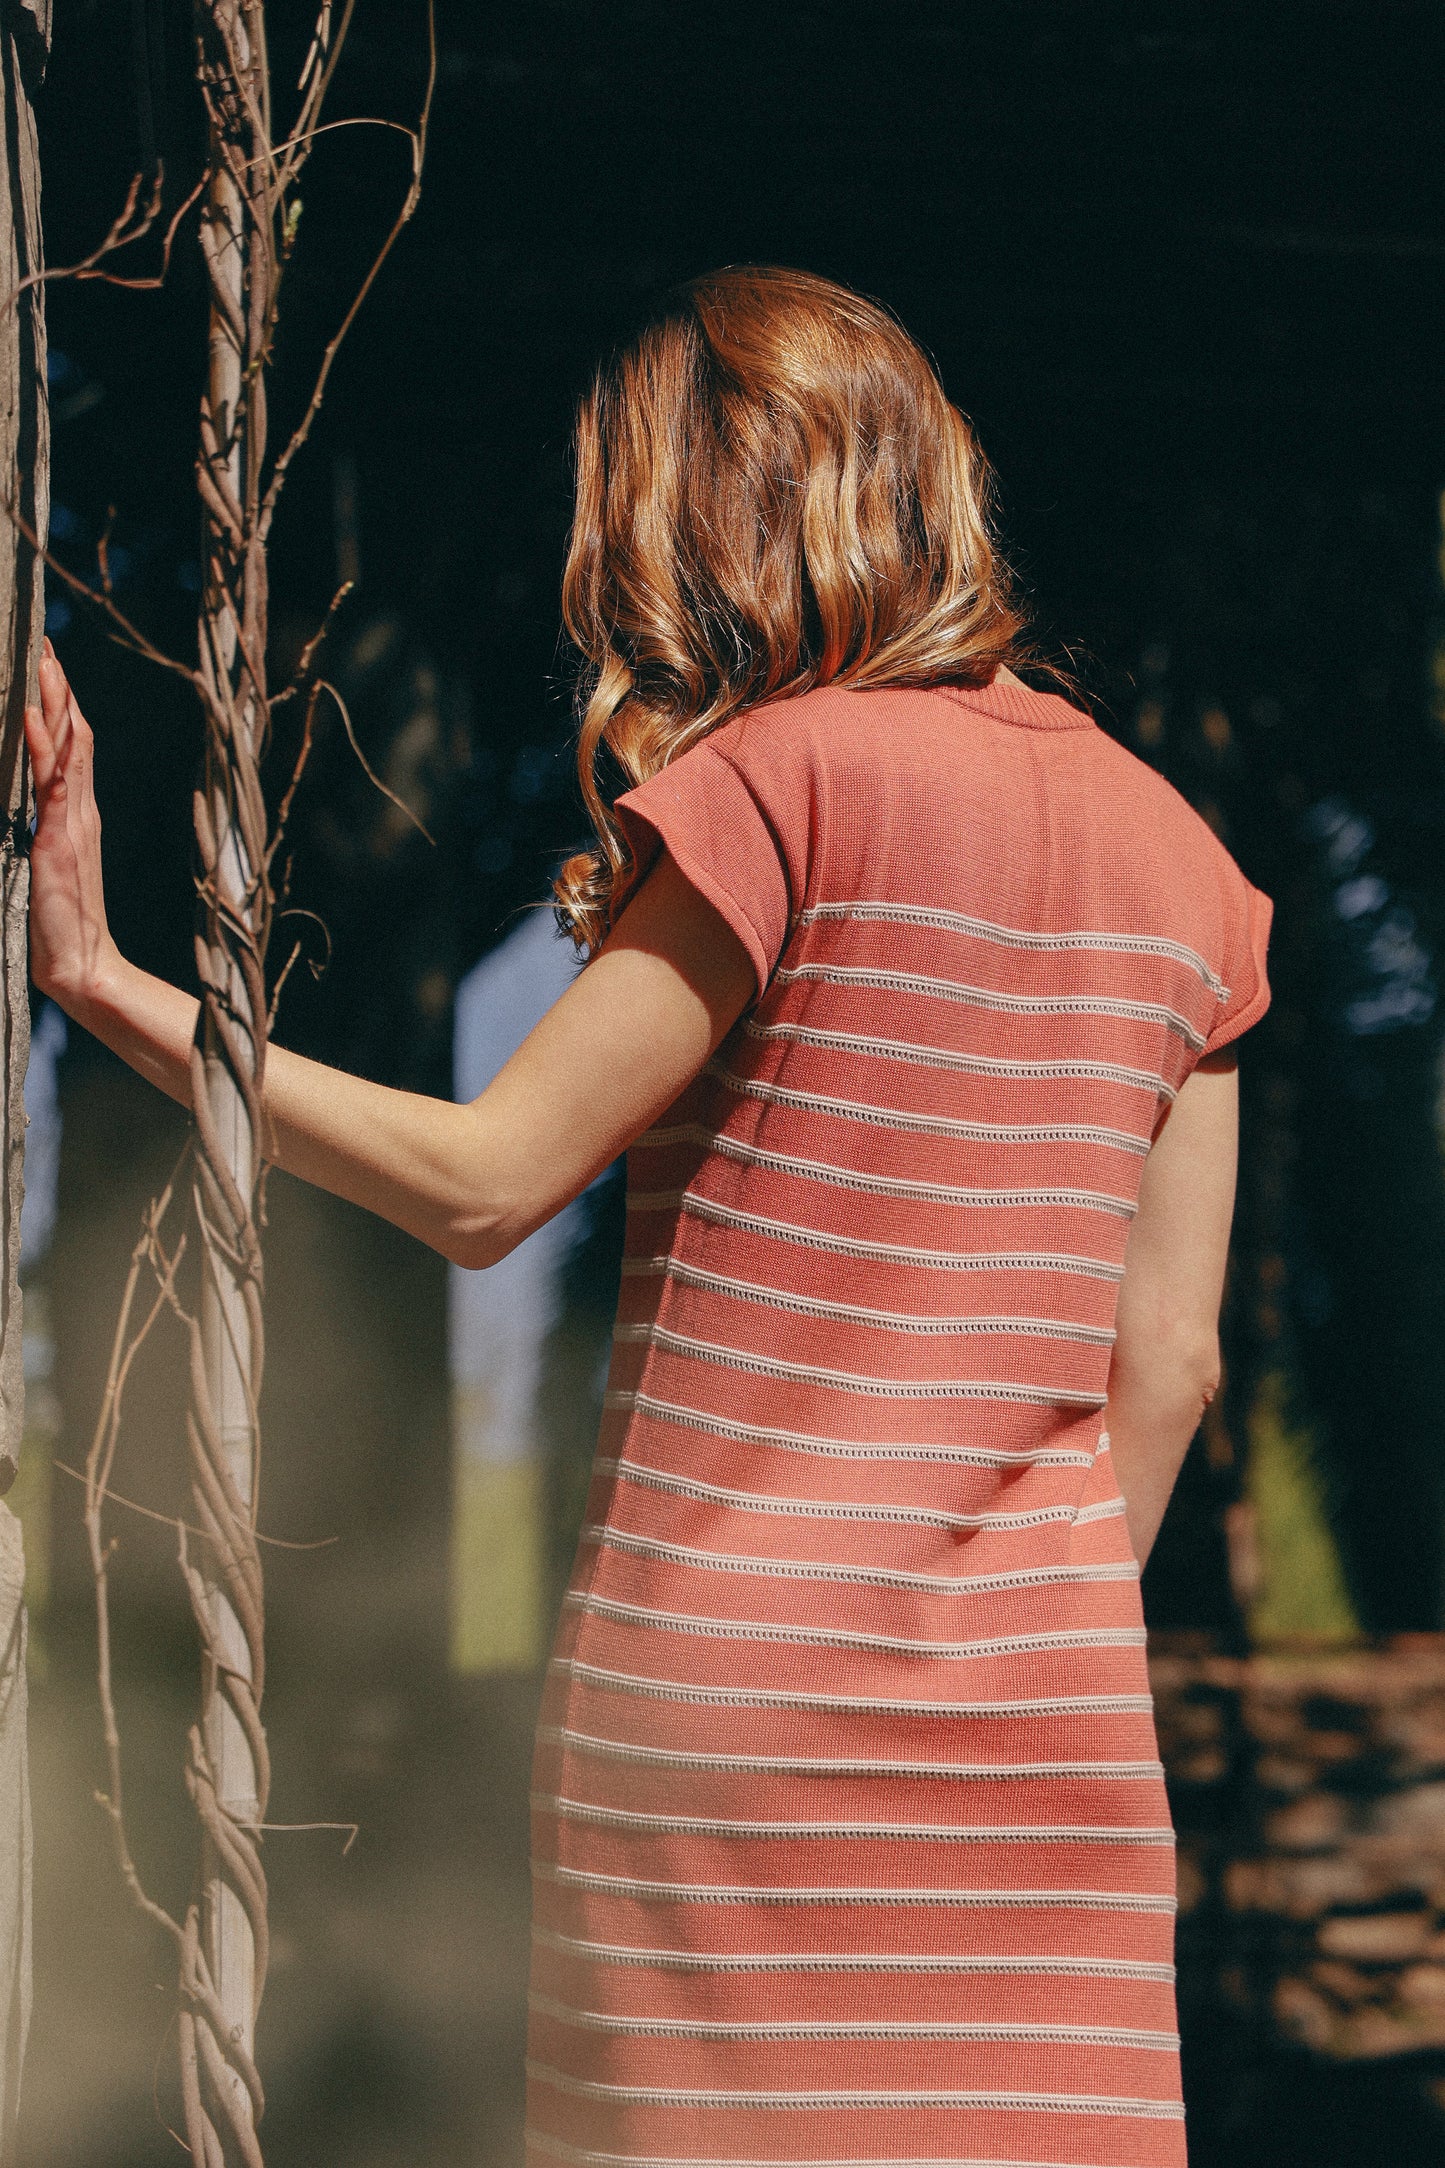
{"x":1244,"y":967}
{"x":725,"y":816}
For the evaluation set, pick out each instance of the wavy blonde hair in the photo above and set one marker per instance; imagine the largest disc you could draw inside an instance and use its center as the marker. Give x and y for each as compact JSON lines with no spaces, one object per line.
{"x":773,"y":493}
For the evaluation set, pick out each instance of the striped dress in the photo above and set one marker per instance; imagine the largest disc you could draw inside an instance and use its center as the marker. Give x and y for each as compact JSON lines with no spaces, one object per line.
{"x":851,"y":1842}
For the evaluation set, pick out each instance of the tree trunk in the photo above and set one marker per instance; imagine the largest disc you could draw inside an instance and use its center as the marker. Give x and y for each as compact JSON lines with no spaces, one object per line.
{"x":25,"y":477}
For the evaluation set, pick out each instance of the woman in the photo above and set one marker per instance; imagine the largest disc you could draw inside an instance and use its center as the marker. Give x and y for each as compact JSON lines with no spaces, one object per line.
{"x":910,"y":994}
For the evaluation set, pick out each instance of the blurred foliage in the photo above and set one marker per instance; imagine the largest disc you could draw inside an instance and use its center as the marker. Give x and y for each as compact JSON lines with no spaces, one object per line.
{"x":1285,"y":690}
{"x":1301,"y":1593}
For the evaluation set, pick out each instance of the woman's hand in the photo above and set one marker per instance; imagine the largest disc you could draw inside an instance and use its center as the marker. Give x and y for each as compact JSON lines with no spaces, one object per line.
{"x":71,"y":948}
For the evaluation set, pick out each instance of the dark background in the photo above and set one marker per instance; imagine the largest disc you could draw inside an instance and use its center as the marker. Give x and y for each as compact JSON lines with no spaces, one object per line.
{"x":1183,"y":265}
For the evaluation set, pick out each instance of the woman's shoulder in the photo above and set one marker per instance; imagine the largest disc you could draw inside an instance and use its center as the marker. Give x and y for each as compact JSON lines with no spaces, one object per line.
{"x":841,"y":739}
{"x":1138,"y":793}
{"x":839,"y":725}
{"x":842,"y":712}
{"x":792,"y":721}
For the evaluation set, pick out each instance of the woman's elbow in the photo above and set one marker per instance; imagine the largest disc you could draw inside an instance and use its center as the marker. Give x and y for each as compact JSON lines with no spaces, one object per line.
{"x":1180,"y":1364}
{"x":475,"y":1244}
{"x":1204,"y":1372}
{"x":475,"y":1232}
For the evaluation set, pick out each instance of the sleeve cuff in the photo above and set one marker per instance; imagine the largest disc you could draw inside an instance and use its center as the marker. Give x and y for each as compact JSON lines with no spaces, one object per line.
{"x":702,"y":832}
{"x":1236,"y":1021}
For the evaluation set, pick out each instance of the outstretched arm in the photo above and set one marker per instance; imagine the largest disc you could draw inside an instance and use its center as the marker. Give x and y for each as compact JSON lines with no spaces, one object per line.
{"x":470,"y":1181}
{"x":1165,"y":1368}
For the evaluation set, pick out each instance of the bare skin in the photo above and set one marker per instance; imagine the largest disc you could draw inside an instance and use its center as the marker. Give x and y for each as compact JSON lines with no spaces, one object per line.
{"x":615,"y":1051}
{"x":1165,"y":1368}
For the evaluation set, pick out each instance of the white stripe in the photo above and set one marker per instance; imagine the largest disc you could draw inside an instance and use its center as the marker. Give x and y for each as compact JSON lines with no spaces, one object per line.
{"x":893,"y":1253}
{"x":771,"y":1893}
{"x":686,"y":1622}
{"x":777,"y":1298}
{"x":848,"y":1381}
{"x":1106,"y":1509}
{"x":799,"y":1569}
{"x":876,"y":1185}
{"x":755,"y":1697}
{"x":690,"y":1825}
{"x":663,"y":2096}
{"x":965,"y":1456}
{"x":818,"y":1509}
{"x":983,"y":929}
{"x":987,"y":997}
{"x":1025,"y":1965}
{"x":943,"y":1057}
{"x":664,"y":2028}
{"x":930,"y":1125}
{"x":662,"y":1757}
{"x":588,"y":2157}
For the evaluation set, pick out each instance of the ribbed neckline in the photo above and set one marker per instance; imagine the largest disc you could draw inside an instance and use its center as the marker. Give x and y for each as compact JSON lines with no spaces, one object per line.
{"x":1020,"y":704}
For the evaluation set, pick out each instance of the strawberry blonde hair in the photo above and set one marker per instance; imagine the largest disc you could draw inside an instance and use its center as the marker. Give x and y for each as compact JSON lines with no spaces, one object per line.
{"x":773,"y":493}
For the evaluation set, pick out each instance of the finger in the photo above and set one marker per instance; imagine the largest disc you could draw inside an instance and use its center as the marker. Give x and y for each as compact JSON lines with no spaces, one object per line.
{"x":43,"y":763}
{"x":83,"y":732}
{"x":55,"y":701}
{"x":54,"y":687}
{"x":71,"y":734}
{"x":74,"y":748}
{"x":80,"y":759}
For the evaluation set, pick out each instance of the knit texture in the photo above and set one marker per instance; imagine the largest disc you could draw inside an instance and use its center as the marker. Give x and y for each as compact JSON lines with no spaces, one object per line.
{"x":851,"y":1842}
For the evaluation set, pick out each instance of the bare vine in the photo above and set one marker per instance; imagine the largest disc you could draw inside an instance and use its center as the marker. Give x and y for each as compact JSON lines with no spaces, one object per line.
{"x":247,"y":231}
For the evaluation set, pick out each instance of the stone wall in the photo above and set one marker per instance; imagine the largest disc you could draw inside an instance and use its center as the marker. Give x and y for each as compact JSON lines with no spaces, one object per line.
{"x":1309,"y":1796}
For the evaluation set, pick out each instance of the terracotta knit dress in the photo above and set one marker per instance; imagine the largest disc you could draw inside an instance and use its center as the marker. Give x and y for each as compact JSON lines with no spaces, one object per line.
{"x":851,"y":1843}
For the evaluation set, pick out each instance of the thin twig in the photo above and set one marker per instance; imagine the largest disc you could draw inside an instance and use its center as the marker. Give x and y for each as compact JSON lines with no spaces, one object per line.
{"x":298,"y":770}
{"x":413,"y":196}
{"x":124,"y":1349}
{"x":302,"y":673}
{"x":330,"y":127}
{"x":175,"y":1522}
{"x":353,"y":1829}
{"x":102,"y":553}
{"x":326,"y":46}
{"x":325,"y":685}
{"x":156,"y":2085}
{"x":114,"y":237}
{"x":150,"y":282}
{"x":298,"y":950}
{"x":124,"y":632}
{"x":280,"y":986}
{"x":117,"y":238}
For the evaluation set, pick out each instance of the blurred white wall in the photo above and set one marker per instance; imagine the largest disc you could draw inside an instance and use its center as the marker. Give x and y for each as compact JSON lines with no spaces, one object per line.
{"x":498,"y":1322}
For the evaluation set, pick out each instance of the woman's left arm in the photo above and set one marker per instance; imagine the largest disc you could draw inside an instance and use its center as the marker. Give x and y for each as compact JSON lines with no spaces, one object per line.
{"x":471,"y":1181}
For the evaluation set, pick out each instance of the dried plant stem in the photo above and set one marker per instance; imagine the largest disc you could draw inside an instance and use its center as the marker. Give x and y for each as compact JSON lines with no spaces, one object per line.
{"x":228,"y":1767}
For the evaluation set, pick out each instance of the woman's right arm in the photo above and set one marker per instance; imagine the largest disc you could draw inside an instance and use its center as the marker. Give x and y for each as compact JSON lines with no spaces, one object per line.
{"x":471,"y":1181}
{"x":1165,"y":1367}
